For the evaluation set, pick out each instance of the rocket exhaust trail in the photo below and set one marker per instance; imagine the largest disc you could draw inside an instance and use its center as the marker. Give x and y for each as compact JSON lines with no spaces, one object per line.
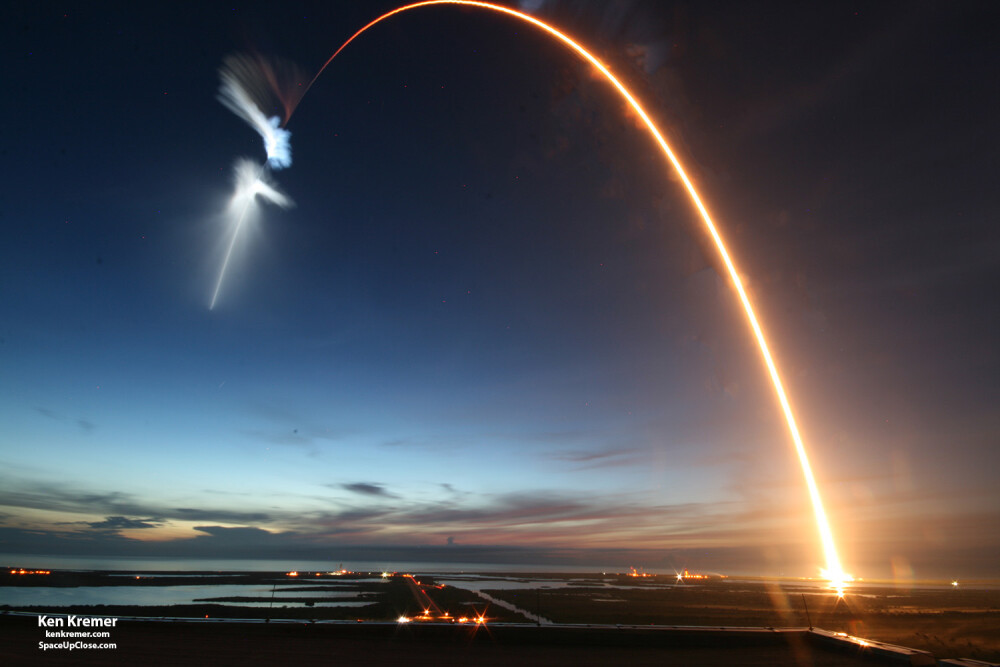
{"x":248,"y":84}
{"x":251,"y":183}
{"x":833,"y":571}
{"x":229,"y":252}
{"x":244,"y":92}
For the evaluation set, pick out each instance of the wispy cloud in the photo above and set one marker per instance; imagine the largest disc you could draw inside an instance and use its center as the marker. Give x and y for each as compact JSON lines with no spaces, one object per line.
{"x":606,"y":458}
{"x":285,"y":427}
{"x":83,"y":423}
{"x":112,"y":504}
{"x":116,"y":523}
{"x":551,"y":521}
{"x":366,"y":489}
{"x":227,"y":516}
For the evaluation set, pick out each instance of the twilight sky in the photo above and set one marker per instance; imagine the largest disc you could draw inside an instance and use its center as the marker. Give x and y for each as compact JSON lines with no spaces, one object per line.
{"x":491,"y":327}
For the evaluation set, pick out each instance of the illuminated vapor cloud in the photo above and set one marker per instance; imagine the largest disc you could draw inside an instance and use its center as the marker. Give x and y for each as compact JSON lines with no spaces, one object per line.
{"x":276,"y":139}
{"x":250,"y":85}
{"x":251,"y":182}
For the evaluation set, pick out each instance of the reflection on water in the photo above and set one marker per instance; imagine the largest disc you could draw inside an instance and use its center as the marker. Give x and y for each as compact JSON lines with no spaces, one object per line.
{"x":290,"y":594}
{"x":280,"y":603}
{"x":170,"y":595}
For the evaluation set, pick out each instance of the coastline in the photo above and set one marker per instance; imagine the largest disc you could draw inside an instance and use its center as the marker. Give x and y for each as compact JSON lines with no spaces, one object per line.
{"x":945,"y":621}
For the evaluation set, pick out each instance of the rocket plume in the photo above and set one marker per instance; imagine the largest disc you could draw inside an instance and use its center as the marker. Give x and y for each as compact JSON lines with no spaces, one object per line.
{"x":252,"y":182}
{"x":250,"y":84}
{"x":252,"y":187}
{"x":235,"y":96}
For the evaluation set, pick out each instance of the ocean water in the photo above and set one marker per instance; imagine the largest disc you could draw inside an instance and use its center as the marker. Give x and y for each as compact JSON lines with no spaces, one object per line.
{"x":167,"y":595}
{"x":151,"y":564}
{"x":476,"y":577}
{"x":212,"y":568}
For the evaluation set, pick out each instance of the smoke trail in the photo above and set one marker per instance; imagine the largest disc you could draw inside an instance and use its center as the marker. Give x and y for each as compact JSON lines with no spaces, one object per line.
{"x":276,"y":139}
{"x":251,"y":182}
{"x":250,"y":85}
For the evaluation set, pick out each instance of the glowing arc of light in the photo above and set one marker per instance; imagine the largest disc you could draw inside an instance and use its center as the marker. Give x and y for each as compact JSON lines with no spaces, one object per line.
{"x":833,"y":571}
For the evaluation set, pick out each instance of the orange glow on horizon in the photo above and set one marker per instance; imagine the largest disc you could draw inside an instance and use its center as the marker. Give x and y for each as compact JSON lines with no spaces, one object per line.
{"x":833,"y":571}
{"x":23,"y":571}
{"x":686,"y":574}
{"x":634,"y":573}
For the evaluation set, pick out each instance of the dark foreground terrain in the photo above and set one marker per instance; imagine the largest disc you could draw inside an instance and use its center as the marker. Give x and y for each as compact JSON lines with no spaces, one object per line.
{"x":946,"y":622}
{"x":304,"y":643}
{"x":631,"y":620}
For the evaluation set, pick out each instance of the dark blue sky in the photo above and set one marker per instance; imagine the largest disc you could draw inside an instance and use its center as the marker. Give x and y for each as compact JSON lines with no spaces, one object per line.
{"x":492,"y":317}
